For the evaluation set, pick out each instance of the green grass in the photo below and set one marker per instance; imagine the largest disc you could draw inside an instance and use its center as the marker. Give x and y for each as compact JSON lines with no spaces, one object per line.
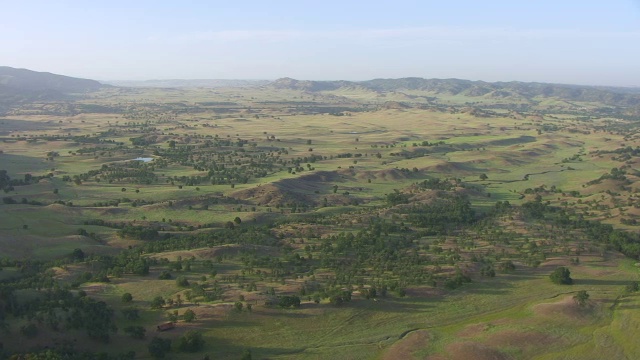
{"x":366,"y":329}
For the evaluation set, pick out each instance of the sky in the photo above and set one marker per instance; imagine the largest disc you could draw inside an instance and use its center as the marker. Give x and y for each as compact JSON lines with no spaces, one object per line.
{"x":558,"y":41}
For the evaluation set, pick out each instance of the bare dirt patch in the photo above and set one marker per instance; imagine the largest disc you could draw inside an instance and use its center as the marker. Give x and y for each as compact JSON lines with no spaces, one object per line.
{"x":553,"y":263}
{"x":425,"y":292}
{"x":213,"y":252}
{"x":474,"y":330}
{"x":389,"y":174}
{"x":520,"y":339}
{"x":471,"y":350}
{"x":403,"y":348}
{"x":457,"y":168}
{"x":275,"y":194}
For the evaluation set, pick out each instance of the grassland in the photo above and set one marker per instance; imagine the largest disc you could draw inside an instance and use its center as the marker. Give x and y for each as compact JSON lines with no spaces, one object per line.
{"x":252,"y":192}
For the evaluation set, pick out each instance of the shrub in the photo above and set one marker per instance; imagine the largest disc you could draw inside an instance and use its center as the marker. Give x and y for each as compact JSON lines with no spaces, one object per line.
{"x":191,"y":341}
{"x":158,"y":347}
{"x":561,"y":276}
{"x":581,"y":298}
{"x":182,"y":281}
{"x":136,"y":331}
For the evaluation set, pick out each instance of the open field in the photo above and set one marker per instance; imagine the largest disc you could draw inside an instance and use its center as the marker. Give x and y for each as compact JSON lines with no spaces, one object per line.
{"x":401,"y":224}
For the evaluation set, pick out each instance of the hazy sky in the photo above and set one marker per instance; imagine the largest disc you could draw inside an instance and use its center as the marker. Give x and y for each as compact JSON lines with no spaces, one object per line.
{"x":561,"y":41}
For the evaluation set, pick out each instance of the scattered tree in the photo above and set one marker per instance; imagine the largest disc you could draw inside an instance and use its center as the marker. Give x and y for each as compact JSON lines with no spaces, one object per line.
{"x":158,"y":347}
{"x":633,"y":287}
{"x":127,"y":297}
{"x":182,"y":281}
{"x":191,"y":341}
{"x":189,"y":315}
{"x":29,"y":331}
{"x":246,"y":355}
{"x":136,"y":332}
{"x":289,"y":301}
{"x":581,"y":298}
{"x":561,"y":276}
{"x":238,"y":306}
{"x":131,"y":314}
{"x":157,"y":302}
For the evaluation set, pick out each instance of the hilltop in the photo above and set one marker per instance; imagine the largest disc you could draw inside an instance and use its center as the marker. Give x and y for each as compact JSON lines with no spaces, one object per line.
{"x":23,"y":79}
{"x":21,"y":85}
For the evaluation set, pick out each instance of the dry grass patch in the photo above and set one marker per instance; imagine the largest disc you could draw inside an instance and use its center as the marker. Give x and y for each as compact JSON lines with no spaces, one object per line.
{"x":564,"y":309}
{"x":405,"y":347}
{"x":470,"y":350}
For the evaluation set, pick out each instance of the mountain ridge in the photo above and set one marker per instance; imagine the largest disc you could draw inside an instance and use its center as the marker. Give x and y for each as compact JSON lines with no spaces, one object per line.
{"x":529,"y":90}
{"x":180,"y":83}
{"x":24,"y":79}
{"x":22,"y":85}
{"x":19,"y":86}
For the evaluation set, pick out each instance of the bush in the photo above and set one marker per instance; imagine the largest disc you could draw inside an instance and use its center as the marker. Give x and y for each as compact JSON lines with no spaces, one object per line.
{"x":633,"y":287}
{"x":158,"y":347}
{"x":340,"y":297}
{"x":29,"y":331}
{"x":289,"y":301}
{"x":189,"y":315}
{"x":127,"y":298}
{"x":457,"y":281}
{"x":8,"y":200}
{"x":136,"y":331}
{"x":581,"y":298}
{"x":131,"y":314}
{"x":246,"y":355}
{"x":561,"y":276}
{"x":507,"y":266}
{"x":157,"y":302}
{"x":191,"y":341}
{"x":182,"y":281}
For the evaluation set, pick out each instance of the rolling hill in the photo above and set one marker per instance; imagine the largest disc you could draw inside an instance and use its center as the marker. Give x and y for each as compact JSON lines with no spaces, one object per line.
{"x":21,"y":85}
{"x":607,"y":95}
{"x":23,"y":79}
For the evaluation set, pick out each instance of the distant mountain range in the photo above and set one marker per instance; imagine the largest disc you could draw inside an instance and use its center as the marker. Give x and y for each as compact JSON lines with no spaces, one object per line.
{"x":606,"y":95}
{"x":20,"y":85}
{"x":182,"y":83}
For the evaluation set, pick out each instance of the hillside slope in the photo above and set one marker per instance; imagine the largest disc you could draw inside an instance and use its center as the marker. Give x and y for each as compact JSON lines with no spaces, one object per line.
{"x":19,"y":86}
{"x":23,"y":79}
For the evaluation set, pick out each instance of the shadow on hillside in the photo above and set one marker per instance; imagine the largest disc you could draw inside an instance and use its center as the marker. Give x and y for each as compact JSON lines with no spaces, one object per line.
{"x":490,"y":287}
{"x":394,"y":304}
{"x":400,"y":306}
{"x":225,"y":349}
{"x":598,"y":282}
{"x":601,"y":264}
{"x":521,"y":276}
{"x":292,"y":313}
